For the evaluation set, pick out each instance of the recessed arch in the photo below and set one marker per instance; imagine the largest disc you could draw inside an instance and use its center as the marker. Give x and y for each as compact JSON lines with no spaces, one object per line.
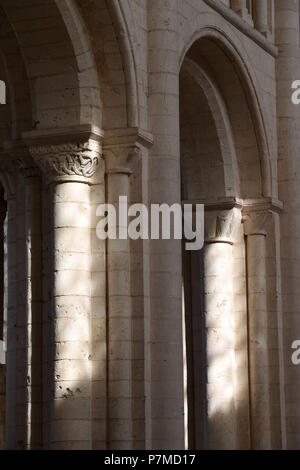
{"x":216,"y":49}
{"x":224,"y":160}
{"x":222,"y":125}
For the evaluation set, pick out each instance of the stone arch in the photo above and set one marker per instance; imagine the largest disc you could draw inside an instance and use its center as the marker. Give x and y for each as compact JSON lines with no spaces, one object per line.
{"x":216,"y":49}
{"x":225,"y":155}
{"x":126,"y":28}
{"x":57,"y":68}
{"x":222,"y":125}
{"x":82,"y":71}
{"x":110,"y":39}
{"x":70,"y":63}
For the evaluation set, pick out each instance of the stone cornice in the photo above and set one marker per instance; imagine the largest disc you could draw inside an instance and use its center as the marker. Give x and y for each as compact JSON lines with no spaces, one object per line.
{"x":55,"y":136}
{"x":262,"y":204}
{"x":246,"y":205}
{"x":225,"y":203}
{"x":133,"y":136}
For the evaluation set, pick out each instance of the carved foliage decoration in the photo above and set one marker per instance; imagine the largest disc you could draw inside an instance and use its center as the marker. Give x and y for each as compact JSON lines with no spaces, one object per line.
{"x":68,"y":159}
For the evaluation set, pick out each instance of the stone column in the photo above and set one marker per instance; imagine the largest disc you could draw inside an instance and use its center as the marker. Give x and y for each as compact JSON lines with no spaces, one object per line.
{"x":2,"y":351}
{"x":220,"y":228}
{"x":69,"y":167}
{"x":261,"y":22}
{"x":287,"y":70}
{"x":255,"y":224}
{"x":3,"y":210}
{"x":164,"y":397}
{"x":240,"y":7}
{"x":33,"y":305}
{"x":11,"y":354}
{"x":9,"y":180}
{"x":120,"y":366}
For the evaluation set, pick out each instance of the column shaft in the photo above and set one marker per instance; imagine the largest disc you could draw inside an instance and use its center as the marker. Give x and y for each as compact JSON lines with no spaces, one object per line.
{"x":240,"y":7}
{"x":2,"y":322}
{"x":119,"y":327}
{"x":165,"y":428}
{"x":287,"y":70}
{"x":69,"y":411}
{"x":258,"y":342}
{"x":98,"y":320}
{"x":261,"y":16}
{"x":220,"y":346}
{"x":33,"y":318}
{"x":11,"y":355}
{"x":70,"y":323}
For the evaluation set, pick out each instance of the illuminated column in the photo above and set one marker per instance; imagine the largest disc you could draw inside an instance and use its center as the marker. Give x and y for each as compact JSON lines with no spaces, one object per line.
{"x":119,"y":312}
{"x":119,"y":160}
{"x":255,"y":224}
{"x":69,"y":168}
{"x":220,"y":228}
{"x":99,"y":351}
{"x":164,"y":378}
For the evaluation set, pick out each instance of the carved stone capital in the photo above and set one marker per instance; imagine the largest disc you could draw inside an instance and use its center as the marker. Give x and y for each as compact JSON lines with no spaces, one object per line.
{"x":120,"y":160}
{"x":66,"y":154}
{"x":122,"y":148}
{"x":221,"y":225}
{"x":71,"y":161}
{"x":256,"y":223}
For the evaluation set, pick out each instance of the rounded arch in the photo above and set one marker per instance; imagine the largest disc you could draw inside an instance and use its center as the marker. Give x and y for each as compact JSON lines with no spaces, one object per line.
{"x":222,"y":125}
{"x":110,"y":38}
{"x":54,"y":71}
{"x":224,"y":62}
{"x":124,"y":20}
{"x":78,"y":61}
